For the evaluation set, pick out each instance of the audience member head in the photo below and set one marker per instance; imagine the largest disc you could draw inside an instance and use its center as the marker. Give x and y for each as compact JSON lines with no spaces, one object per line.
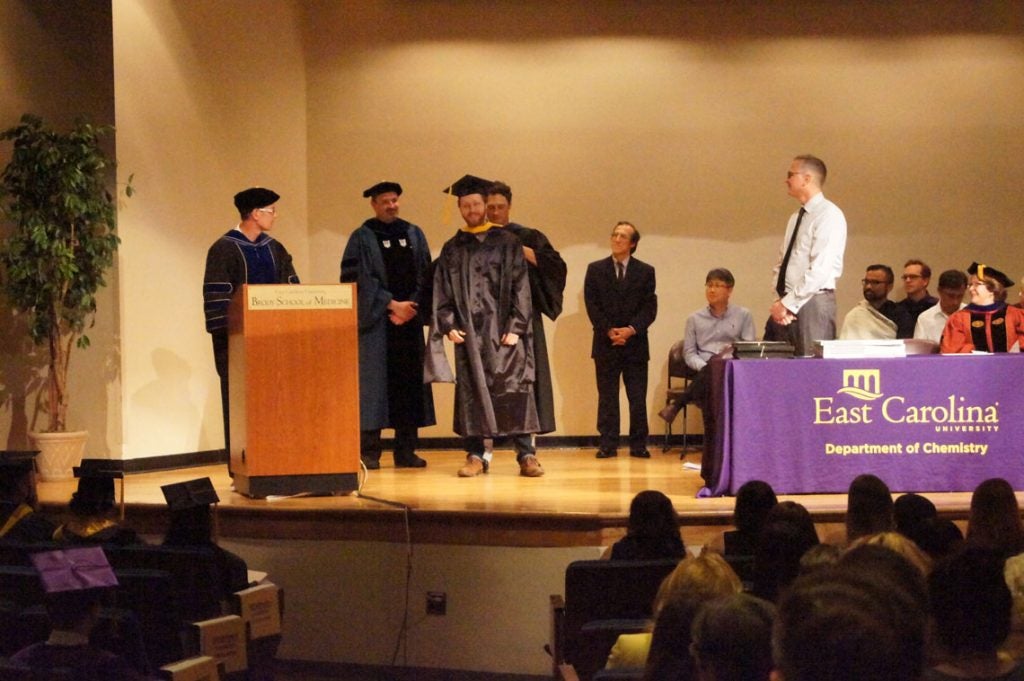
{"x":917,"y":519}
{"x":902,"y":545}
{"x":732,"y":639}
{"x":913,"y":515}
{"x":869,"y":507}
{"x":950,"y":538}
{"x":754,"y":499}
{"x":970,"y":603}
{"x":704,"y":577}
{"x":819,"y":557}
{"x":994,"y":522}
{"x":95,"y":493}
{"x":787,"y":535}
{"x":694,"y":582}
{"x":952,"y":287}
{"x":191,"y":522}
{"x":880,"y":561}
{"x":75,"y":582}
{"x":838,"y":624}
{"x":18,"y":478}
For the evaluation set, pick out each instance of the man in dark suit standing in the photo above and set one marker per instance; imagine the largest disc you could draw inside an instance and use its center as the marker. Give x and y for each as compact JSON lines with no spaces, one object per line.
{"x":621,"y":303}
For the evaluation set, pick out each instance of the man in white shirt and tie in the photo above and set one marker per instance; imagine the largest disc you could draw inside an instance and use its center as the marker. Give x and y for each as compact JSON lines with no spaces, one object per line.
{"x":810,"y":261}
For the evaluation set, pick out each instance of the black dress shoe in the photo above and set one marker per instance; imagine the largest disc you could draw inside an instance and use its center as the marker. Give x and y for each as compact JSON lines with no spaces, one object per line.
{"x":409,"y":461}
{"x":640,"y":453}
{"x":606,"y":453}
{"x":372,"y":464}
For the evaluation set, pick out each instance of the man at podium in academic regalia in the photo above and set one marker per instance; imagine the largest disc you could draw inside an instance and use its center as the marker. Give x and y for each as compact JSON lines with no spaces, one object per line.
{"x":389,"y":260}
{"x":245,"y":255}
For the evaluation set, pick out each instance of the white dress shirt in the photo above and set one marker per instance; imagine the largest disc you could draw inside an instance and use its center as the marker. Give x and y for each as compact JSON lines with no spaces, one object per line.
{"x":817,"y":258}
{"x":931,"y":322}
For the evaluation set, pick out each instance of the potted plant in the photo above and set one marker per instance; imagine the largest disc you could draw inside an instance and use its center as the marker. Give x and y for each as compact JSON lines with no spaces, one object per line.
{"x":54,"y":196}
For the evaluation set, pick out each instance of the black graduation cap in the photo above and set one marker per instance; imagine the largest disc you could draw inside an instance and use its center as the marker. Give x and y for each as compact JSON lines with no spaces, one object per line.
{"x":468,"y":184}
{"x":14,"y":463}
{"x":250,"y":199}
{"x":983,"y":271}
{"x":382,"y":188}
{"x":182,"y":496}
{"x":96,"y":481}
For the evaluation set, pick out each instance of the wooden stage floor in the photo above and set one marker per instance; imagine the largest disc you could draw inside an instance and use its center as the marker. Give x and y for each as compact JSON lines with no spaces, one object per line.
{"x":581,"y":501}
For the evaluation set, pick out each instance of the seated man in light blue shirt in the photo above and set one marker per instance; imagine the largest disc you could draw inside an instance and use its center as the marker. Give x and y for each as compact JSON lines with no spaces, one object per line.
{"x":710,"y":330}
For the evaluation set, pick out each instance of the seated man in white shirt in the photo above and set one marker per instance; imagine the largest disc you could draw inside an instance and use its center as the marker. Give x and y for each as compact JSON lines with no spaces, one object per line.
{"x":931,"y":322}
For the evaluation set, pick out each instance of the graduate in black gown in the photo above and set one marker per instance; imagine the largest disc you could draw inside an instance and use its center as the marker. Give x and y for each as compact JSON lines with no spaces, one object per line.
{"x":482,"y":305}
{"x":94,"y":517}
{"x":76,"y":582}
{"x":192,"y":526}
{"x":20,"y":520}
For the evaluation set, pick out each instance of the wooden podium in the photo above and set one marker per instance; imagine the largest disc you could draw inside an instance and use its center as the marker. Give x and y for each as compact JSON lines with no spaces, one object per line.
{"x":293,"y":376}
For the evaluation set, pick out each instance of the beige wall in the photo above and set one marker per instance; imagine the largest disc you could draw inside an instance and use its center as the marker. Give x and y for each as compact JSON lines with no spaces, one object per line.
{"x":210,"y":100}
{"x":681,"y":117}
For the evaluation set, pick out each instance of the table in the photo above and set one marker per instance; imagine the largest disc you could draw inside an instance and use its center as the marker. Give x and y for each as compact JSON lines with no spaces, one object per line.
{"x":927,"y":423}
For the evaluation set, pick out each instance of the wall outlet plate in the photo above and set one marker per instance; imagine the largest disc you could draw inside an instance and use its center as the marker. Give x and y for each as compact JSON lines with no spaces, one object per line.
{"x":437,"y":603}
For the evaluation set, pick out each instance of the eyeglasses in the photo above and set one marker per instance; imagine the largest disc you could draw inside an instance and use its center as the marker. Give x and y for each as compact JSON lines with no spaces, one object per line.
{"x":272,"y":211}
{"x":873,"y":282}
{"x":911,"y":277}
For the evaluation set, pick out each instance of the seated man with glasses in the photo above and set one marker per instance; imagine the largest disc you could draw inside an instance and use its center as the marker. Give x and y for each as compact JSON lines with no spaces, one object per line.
{"x":708,"y":331}
{"x":876,"y":317}
{"x":916,"y":277}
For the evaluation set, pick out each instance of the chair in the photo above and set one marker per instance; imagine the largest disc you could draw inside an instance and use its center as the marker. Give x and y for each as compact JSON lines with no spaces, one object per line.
{"x":195,"y":572}
{"x":679,"y":377}
{"x":150,"y":596}
{"x":602,"y":599}
{"x":10,"y":671}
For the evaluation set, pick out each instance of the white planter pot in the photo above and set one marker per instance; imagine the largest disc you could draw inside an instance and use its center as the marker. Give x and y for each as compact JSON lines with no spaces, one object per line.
{"x":59,"y":453}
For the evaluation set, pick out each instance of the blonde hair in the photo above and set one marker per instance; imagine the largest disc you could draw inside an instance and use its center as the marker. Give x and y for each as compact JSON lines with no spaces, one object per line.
{"x":902,"y":545}
{"x":703,"y":578}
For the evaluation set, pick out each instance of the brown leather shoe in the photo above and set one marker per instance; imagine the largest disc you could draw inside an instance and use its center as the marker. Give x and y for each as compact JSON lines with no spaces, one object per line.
{"x":474,"y":467}
{"x":529,"y":467}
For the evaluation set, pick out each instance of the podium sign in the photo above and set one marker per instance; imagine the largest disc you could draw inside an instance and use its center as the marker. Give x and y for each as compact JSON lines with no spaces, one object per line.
{"x":293,"y":376}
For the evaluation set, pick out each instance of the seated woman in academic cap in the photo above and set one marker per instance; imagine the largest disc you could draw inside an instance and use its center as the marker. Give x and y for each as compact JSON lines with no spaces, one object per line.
{"x":987,"y":324}
{"x":191,"y":526}
{"x":75,"y":582}
{"x":20,"y":520}
{"x":93,"y":514}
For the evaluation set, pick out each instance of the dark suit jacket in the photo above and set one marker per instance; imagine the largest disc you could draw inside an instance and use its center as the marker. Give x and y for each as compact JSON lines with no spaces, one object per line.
{"x":611,"y":304}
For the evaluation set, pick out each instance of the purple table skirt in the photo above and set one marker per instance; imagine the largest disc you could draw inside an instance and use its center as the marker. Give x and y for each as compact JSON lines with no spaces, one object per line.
{"x":922,"y":424}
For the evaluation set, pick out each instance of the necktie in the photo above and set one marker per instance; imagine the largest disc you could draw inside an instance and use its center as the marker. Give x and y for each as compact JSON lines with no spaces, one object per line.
{"x":620,"y":271}
{"x":780,"y":285}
